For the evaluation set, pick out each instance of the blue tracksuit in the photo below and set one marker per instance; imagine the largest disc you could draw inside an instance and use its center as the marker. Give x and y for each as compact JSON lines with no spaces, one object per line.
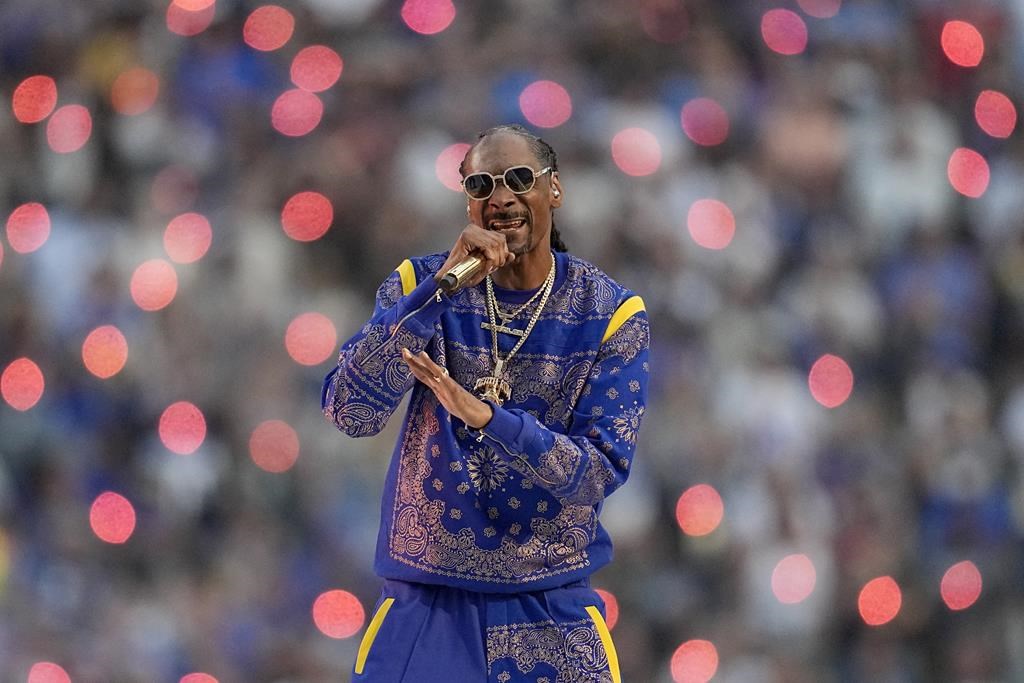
{"x":481,"y":529}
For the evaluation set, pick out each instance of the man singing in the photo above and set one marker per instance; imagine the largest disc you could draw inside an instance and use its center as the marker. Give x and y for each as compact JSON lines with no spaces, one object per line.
{"x":528,"y":382}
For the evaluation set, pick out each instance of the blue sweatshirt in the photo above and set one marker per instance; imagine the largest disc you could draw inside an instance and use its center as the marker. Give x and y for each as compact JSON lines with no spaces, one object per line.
{"x":513,"y":506}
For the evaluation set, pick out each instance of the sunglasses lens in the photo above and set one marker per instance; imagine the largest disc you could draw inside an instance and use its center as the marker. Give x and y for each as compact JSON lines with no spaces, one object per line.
{"x":478,"y":185}
{"x":519,"y":179}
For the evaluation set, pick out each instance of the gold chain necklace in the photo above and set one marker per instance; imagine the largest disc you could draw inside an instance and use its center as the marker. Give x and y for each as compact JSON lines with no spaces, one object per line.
{"x":505,"y":317}
{"x":495,"y":387}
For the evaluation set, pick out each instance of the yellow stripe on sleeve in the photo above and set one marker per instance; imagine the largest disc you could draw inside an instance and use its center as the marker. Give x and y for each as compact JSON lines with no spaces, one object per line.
{"x":408,"y":274}
{"x":371,"y":631}
{"x":606,"y":638}
{"x":624,"y":312}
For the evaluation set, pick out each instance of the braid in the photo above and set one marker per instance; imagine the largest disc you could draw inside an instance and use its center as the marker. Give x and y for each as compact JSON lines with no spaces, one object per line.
{"x":545,"y":154}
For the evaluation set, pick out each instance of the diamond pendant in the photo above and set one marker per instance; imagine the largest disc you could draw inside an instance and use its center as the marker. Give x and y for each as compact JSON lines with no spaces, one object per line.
{"x":494,"y":388}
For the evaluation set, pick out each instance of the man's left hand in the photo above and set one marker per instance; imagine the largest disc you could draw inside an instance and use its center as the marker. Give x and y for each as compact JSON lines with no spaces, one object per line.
{"x":456,"y":400}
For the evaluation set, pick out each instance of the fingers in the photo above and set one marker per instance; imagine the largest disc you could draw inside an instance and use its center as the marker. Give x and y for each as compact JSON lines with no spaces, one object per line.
{"x":489,"y":244}
{"x":425,"y":370}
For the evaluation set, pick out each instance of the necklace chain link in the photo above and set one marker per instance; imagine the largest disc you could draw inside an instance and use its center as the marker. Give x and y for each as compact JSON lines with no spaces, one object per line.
{"x":495,"y":385}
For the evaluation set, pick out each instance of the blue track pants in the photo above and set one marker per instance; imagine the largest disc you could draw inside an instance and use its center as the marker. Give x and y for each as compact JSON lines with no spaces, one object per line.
{"x":423,"y":633}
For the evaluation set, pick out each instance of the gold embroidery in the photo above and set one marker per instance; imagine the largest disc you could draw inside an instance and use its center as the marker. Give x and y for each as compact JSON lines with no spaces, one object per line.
{"x":419,"y":538}
{"x":627,"y":425}
{"x":552,"y":384}
{"x":391,"y":291}
{"x":487,"y":471}
{"x":558,"y":466}
{"x":574,"y":650}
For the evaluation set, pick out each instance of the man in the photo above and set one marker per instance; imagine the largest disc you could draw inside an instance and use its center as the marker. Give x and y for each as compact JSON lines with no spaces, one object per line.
{"x":528,"y":388}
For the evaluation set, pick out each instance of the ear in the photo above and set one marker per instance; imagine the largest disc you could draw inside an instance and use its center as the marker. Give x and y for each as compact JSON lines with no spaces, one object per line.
{"x":557,"y":194}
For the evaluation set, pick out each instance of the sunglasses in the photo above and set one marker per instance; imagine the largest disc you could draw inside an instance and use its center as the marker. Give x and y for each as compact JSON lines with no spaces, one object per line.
{"x":518,"y":179}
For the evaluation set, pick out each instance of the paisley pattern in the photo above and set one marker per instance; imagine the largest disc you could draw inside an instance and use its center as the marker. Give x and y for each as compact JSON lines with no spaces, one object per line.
{"x":420,"y":538}
{"x":572,"y":649}
{"x":471,"y":512}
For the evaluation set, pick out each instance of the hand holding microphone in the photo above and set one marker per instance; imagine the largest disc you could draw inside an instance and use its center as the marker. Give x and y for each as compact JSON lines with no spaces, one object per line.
{"x":476,"y":253}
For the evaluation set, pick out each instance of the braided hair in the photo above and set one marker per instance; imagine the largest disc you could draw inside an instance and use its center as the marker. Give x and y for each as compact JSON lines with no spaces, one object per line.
{"x":545,"y":154}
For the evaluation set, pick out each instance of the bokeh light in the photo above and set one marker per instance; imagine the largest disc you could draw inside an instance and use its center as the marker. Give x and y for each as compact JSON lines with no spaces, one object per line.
{"x":447,"y":165}
{"x":105,"y":351}
{"x":48,"y":672}
{"x":188,"y":23}
{"x":194,"y":5}
{"x":28,"y":227}
{"x":112,"y":518}
{"x":961,"y":585}
{"x":545,"y":104}
{"x":793,"y":579}
{"x":820,"y":9}
{"x":175,"y":189}
{"x":316,"y":68}
{"x":22,"y":384}
{"x":69,"y":128}
{"x":699,"y":510}
{"x":968,"y":172}
{"x":182,"y":428}
{"x":695,"y":661}
{"x":784,"y":31}
{"x":338,"y":614}
{"x":665,"y":21}
{"x":274,"y":446}
{"x":34,"y":99}
{"x":306,"y":216}
{"x":268,"y":28}
{"x":711,"y":223}
{"x":296,"y":112}
{"x":154,"y":285}
{"x":310,"y":338}
{"x":428,"y":16}
{"x":611,"y":607}
{"x":187,"y":237}
{"x":198,"y":678}
{"x":995,"y":113}
{"x":830,"y":381}
{"x":636,"y":151}
{"x":705,"y":121}
{"x":134,"y":91}
{"x":962,"y":43}
{"x":879,"y":601}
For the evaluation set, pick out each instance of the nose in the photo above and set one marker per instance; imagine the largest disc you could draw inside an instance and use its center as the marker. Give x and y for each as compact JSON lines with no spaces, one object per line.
{"x":502,"y":197}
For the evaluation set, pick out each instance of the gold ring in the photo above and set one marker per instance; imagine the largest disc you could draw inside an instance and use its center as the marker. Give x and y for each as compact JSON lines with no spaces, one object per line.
{"x":444,"y":371}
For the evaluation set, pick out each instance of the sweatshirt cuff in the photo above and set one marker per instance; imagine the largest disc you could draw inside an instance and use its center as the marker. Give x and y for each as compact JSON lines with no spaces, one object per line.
{"x":513,"y":429}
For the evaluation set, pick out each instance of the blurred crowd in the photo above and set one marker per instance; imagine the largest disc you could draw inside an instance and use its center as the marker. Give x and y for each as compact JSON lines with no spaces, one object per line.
{"x":849,"y":241}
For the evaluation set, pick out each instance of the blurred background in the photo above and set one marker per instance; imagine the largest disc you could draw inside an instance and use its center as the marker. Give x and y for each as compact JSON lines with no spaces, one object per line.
{"x":820,"y":201}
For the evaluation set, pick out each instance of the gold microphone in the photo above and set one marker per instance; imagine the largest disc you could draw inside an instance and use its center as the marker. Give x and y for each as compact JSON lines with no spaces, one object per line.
{"x":459,"y":273}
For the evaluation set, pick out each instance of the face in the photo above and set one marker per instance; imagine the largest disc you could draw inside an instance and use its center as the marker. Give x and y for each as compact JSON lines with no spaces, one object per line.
{"x":524,"y":219}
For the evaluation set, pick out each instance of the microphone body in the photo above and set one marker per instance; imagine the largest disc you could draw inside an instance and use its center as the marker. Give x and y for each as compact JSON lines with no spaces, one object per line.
{"x":459,"y":273}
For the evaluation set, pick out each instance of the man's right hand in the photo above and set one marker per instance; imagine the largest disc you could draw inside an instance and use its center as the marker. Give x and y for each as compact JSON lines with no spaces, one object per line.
{"x":487,"y":244}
